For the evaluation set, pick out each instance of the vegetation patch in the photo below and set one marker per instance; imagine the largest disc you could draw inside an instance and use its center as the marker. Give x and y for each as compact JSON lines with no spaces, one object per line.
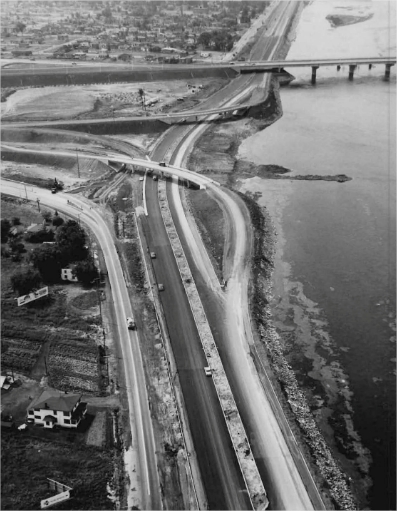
{"x":27,"y":463}
{"x":211,"y":224}
{"x":85,"y":300}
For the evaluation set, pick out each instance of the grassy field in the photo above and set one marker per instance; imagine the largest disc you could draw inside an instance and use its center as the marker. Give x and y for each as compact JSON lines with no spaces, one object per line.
{"x":211,"y":224}
{"x":28,"y":461}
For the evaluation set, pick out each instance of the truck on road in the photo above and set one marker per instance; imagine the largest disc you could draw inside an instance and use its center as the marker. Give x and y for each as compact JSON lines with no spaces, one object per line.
{"x":131,"y":323}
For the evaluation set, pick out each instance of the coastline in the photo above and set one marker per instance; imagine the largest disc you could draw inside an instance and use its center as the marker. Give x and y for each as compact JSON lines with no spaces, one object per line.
{"x":307,"y":427}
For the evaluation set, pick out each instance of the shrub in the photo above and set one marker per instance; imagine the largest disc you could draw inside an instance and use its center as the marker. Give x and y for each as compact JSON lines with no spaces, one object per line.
{"x":25,"y":281}
{"x":39,"y":236}
{"x":5,"y":227}
{"x":16,"y":247}
{"x":47,"y":215}
{"x":57,"y":221}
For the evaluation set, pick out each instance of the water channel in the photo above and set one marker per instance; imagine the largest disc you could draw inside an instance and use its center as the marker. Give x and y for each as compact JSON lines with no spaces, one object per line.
{"x":334,"y":280}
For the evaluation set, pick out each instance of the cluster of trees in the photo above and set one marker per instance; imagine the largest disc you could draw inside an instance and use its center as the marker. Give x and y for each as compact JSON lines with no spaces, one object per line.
{"x":218,"y":40}
{"x":69,"y":245}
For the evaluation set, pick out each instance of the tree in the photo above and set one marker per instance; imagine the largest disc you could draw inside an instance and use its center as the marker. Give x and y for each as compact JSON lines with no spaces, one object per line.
{"x":25,"y":281}
{"x":71,"y":240}
{"x":16,"y":221}
{"x":40,"y":236}
{"x":19,"y":27}
{"x":47,"y":215}
{"x":16,"y":246}
{"x":57,"y":221}
{"x":47,"y":260}
{"x":141,"y":93}
{"x":5,"y":227}
{"x":85,"y":271}
{"x":204,"y":39}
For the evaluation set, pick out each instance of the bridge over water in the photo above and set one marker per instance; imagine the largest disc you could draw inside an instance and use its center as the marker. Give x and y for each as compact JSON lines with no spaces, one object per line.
{"x":316,"y":63}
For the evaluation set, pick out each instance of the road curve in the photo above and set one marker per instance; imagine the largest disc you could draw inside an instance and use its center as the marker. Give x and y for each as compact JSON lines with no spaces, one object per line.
{"x":147,"y":482}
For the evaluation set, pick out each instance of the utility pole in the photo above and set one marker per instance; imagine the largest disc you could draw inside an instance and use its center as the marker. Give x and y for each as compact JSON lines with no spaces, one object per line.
{"x":78,"y":166}
{"x":38,"y":204}
{"x":26,"y":192}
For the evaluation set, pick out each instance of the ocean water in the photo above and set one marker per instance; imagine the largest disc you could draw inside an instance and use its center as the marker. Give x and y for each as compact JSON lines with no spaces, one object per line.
{"x":334,"y":293}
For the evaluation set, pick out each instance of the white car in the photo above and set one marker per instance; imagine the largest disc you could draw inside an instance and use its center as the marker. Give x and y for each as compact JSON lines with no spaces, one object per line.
{"x":207,"y":371}
{"x":161,"y":287}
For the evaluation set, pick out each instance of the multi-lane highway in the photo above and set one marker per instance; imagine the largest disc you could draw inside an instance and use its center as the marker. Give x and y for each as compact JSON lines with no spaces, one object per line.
{"x":222,"y":478}
{"x":221,"y":475}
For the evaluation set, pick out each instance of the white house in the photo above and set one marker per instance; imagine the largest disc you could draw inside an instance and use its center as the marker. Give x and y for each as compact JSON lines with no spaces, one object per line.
{"x":67,"y":274}
{"x":55,"y":407}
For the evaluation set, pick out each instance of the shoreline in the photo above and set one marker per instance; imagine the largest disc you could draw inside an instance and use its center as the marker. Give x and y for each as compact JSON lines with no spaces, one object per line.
{"x":326,"y":458}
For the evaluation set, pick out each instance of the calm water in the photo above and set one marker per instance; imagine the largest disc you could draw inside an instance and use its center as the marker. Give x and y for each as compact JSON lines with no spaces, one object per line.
{"x":334,"y":281}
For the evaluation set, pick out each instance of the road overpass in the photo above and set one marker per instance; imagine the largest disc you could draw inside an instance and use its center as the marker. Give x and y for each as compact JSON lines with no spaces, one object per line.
{"x":108,"y":158}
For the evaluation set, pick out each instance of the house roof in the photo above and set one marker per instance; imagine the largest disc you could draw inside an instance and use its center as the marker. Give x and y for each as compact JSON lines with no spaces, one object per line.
{"x":55,"y":400}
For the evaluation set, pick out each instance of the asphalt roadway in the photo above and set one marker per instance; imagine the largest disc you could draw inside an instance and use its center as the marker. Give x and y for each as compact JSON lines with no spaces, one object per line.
{"x":220,"y":472}
{"x":146,"y":481}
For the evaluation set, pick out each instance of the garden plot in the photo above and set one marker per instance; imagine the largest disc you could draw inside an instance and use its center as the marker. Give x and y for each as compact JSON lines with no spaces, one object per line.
{"x":73,"y":367}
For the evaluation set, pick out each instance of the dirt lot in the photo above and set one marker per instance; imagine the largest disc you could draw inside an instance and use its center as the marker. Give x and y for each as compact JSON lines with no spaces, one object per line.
{"x":102,"y":100}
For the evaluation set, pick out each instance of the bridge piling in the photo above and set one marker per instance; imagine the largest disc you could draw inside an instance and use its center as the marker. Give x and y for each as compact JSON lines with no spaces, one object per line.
{"x":314,"y":71}
{"x":370,"y":67}
{"x":352,"y":67}
{"x":387,"y":71}
{"x":338,"y":67}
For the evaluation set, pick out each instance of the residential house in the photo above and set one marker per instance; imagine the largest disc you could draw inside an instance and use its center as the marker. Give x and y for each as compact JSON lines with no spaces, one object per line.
{"x":53,"y":407}
{"x":67,"y":274}
{"x":103,"y":53}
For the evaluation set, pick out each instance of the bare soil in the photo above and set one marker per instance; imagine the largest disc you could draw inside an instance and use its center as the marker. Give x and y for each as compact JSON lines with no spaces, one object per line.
{"x":211,"y":224}
{"x":105,"y":100}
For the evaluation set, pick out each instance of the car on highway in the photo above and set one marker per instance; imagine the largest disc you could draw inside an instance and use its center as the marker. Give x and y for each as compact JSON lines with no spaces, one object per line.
{"x":74,"y":64}
{"x":153,"y":255}
{"x":162,"y":164}
{"x":131,"y":324}
{"x":53,"y":190}
{"x":141,"y":179}
{"x":155,"y":178}
{"x":207,"y":371}
{"x":161,"y":287}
